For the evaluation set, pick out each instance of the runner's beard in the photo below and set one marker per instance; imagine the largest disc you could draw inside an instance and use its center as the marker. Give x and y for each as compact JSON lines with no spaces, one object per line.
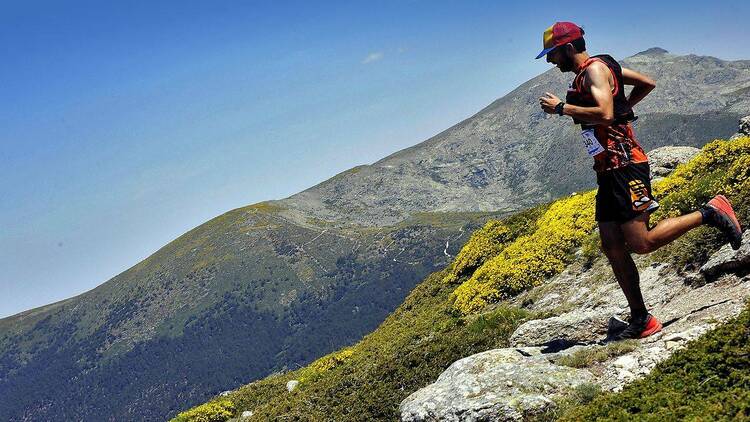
{"x":566,"y":63}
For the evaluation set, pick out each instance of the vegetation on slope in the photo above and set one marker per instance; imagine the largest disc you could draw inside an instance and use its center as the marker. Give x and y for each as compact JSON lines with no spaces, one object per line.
{"x":440,"y":322}
{"x":530,"y":259}
{"x":367,"y":381}
{"x":722,"y":167}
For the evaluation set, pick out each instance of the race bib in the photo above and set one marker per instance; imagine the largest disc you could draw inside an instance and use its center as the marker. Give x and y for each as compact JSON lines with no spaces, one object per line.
{"x":593,"y":147}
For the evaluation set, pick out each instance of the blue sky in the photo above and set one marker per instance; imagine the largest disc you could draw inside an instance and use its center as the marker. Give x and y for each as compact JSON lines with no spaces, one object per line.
{"x":123,"y":125}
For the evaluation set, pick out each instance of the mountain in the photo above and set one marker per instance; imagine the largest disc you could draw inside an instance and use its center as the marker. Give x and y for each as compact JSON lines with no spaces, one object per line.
{"x":274,"y":285}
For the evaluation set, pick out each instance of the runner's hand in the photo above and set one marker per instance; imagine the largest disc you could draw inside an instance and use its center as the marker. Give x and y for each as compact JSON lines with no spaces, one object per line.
{"x":548,"y":102}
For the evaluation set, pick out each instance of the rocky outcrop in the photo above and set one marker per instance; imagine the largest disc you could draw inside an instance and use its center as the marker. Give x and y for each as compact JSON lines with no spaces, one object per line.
{"x":291,"y":385}
{"x":665,"y":159}
{"x":553,"y":355}
{"x":576,"y":326}
{"x":496,"y":385}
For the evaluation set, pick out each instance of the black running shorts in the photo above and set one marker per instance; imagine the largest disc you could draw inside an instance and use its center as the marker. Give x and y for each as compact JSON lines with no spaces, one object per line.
{"x":624,"y":193}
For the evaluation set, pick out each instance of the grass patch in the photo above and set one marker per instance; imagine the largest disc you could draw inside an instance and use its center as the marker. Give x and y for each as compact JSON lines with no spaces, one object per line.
{"x":216,"y":411}
{"x":266,"y":207}
{"x":585,"y":358}
{"x":581,"y":395}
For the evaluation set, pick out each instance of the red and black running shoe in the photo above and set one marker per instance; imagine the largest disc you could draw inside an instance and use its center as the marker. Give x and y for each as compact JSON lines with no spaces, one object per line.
{"x":640,"y":328}
{"x":718,"y":213}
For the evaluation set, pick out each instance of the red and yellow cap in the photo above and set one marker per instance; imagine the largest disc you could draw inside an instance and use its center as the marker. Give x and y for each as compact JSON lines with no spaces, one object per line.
{"x":559,"y":34}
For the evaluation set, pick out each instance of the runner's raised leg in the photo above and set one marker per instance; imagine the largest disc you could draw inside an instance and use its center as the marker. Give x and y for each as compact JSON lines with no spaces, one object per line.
{"x":641,"y":240}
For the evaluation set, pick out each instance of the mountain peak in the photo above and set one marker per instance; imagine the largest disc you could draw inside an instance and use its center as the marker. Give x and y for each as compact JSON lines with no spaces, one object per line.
{"x":653,"y":51}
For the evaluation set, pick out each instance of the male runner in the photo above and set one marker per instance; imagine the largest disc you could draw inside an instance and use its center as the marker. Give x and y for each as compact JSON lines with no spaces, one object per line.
{"x":596,"y":100}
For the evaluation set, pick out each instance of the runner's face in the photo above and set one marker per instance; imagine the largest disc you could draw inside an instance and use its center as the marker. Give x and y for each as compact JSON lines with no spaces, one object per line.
{"x":560,"y":58}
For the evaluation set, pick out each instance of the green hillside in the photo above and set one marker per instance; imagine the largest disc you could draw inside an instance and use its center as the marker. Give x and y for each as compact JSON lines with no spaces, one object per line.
{"x":460,"y":310}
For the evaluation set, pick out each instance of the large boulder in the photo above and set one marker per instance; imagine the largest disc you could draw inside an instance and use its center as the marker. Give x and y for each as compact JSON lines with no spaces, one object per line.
{"x":665,"y":159}
{"x":728,"y":260}
{"x":496,"y":385}
{"x":575,"y":326}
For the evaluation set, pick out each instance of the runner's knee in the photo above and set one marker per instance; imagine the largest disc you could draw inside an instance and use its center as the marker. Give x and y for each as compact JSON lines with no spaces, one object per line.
{"x":642,"y":246}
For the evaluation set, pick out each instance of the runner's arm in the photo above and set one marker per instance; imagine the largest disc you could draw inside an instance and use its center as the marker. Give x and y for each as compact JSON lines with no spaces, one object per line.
{"x":597,"y":82}
{"x":642,"y":85}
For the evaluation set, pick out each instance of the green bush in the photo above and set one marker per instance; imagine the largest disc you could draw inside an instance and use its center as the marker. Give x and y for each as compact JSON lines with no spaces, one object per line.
{"x":723,"y":167}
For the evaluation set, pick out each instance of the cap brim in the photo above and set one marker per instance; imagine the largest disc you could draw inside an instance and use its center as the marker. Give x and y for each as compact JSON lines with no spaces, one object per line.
{"x":545,"y":51}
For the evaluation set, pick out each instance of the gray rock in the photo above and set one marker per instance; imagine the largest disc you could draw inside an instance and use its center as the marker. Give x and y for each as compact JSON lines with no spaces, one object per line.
{"x":577,"y":325}
{"x":728,"y":260}
{"x":246,"y":414}
{"x":665,"y":159}
{"x":744,"y":128}
{"x":225,"y":393}
{"x":291,"y":385}
{"x":496,"y":385}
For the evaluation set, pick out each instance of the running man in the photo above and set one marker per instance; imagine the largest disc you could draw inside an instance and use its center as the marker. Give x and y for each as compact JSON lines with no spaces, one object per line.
{"x":596,"y":100}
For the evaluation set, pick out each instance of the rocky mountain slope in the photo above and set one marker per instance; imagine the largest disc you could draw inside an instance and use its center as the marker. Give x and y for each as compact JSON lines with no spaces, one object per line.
{"x":272,"y":286}
{"x":533,"y":349}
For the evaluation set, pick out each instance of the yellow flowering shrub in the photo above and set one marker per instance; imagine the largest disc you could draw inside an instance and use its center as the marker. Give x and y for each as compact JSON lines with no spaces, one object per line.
{"x":326,"y":363}
{"x":490,"y":240}
{"x":531,"y":258}
{"x":216,"y":411}
{"x":483,"y":244}
{"x":721,"y":167}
